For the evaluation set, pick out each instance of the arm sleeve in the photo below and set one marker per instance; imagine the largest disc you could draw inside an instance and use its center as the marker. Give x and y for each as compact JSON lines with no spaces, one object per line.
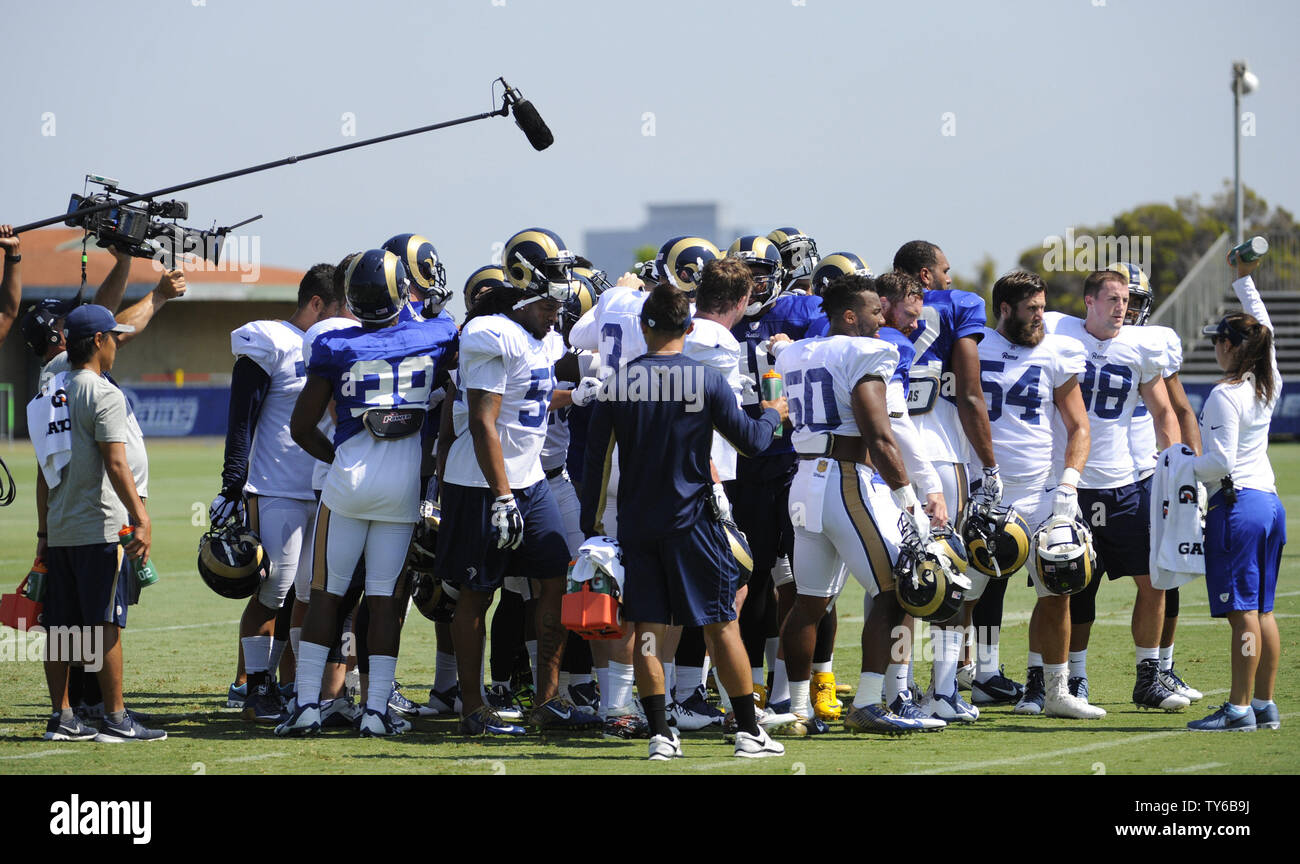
{"x":1220,"y":422}
{"x":600,"y":456}
{"x":1070,"y":361}
{"x":1248,"y":294}
{"x":249,"y":385}
{"x":747,"y":435}
{"x":968,"y":315}
{"x":919,"y":469}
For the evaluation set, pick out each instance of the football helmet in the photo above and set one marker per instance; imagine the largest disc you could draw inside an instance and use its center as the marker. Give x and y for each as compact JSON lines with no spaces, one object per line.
{"x":798,"y":253}
{"x":424,"y":539}
{"x":997,"y":540}
{"x":482,"y":281}
{"x":648,"y":273}
{"x":835,"y":265}
{"x":435,"y":598}
{"x":232,"y":561}
{"x":1140,"y":295}
{"x":681,"y":261}
{"x":739,"y":544}
{"x":929,"y":580}
{"x":376,"y":286}
{"x":536,"y":261}
{"x":1063,"y":555}
{"x":589,"y":284}
{"x":428,"y":276}
{"x":765,"y":263}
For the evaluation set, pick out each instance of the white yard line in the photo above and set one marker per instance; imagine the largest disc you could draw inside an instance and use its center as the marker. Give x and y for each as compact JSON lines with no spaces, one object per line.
{"x":1192,"y":769}
{"x":254,"y":758}
{"x":39,"y":754}
{"x":180,"y":626}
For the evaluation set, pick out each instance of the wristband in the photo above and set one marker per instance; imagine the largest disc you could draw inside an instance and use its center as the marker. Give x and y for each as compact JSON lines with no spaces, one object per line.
{"x":904,"y":497}
{"x":1070,"y":477}
{"x":13,"y":259}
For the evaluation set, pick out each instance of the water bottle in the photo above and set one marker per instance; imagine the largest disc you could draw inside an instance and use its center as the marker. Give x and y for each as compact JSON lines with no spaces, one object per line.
{"x":36,"y":582}
{"x":773,"y":386}
{"x":145,"y":574}
{"x":1255,"y":247}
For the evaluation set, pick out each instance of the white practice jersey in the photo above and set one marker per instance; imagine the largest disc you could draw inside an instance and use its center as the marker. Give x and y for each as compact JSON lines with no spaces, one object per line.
{"x":499,"y":356}
{"x":820,"y":375}
{"x":555,"y":451}
{"x":1019,"y":383}
{"x":326,"y":424}
{"x":715,"y":347}
{"x":1113,"y":371}
{"x":277,"y":466}
{"x":1142,"y":434}
{"x":612,"y":328}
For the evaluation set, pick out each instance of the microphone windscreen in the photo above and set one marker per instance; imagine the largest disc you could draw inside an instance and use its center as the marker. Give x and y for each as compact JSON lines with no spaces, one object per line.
{"x":527,"y":119}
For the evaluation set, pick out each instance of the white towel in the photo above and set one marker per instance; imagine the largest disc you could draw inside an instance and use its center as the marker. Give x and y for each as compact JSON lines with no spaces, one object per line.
{"x":1177,"y":520}
{"x":599,"y":554}
{"x":50,"y":427}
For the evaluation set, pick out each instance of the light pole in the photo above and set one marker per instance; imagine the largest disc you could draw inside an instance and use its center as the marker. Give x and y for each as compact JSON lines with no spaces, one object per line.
{"x":1243,"y":82}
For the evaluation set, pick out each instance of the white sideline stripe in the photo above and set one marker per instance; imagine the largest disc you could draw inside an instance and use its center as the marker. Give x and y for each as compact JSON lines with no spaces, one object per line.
{"x":255,"y":758}
{"x":39,"y":754}
{"x":1191,"y":769}
{"x":181,"y":626}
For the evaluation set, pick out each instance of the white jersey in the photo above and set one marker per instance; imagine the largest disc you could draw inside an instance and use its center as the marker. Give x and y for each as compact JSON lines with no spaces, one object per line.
{"x":326,"y":424}
{"x":277,"y":466}
{"x":1019,"y":383}
{"x":1142,"y":434}
{"x":612,"y":328}
{"x":715,"y":347}
{"x":1113,"y":371}
{"x":499,"y":356}
{"x":820,"y":375}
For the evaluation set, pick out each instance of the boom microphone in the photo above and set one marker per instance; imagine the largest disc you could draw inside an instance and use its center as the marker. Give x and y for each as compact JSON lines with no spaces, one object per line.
{"x":527,"y":119}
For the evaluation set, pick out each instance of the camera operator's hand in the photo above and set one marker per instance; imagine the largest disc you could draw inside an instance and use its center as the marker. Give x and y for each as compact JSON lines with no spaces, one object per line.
{"x":120,"y":255}
{"x":9,"y":241}
{"x":171,"y":285}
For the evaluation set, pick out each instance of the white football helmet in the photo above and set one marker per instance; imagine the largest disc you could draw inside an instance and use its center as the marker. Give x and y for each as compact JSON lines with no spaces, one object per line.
{"x":1063,"y":555}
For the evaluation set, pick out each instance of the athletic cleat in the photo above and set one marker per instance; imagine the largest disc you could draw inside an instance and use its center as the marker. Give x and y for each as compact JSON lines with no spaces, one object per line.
{"x":1078,"y":686}
{"x":1031,"y":701}
{"x":287,"y":691}
{"x":340,"y":713}
{"x":525,"y":695}
{"x":665,"y":748}
{"x":782,"y":707}
{"x":503,"y":702}
{"x":559,"y":715}
{"x":1267,"y":717}
{"x":1057,"y":701}
{"x":825,"y":705}
{"x":757,"y":746}
{"x":879,"y":719}
{"x":998,"y":690}
{"x":1219,"y":721}
{"x":585,"y":695}
{"x":625,"y":724}
{"x":441,"y":702}
{"x":129,"y":729}
{"x":352,"y":684}
{"x":485,"y":721}
{"x":236,"y":695}
{"x":904,"y":707}
{"x":401,"y":704}
{"x":305,"y":720}
{"x":1177,"y":685}
{"x":264,"y":705}
{"x":812,"y":726}
{"x":787,"y":724}
{"x":377,"y":724}
{"x":1148,"y":692}
{"x":74,"y":730}
{"x":695,"y":712}
{"x":760,"y":695}
{"x":965,"y":676}
{"x":950,"y":708}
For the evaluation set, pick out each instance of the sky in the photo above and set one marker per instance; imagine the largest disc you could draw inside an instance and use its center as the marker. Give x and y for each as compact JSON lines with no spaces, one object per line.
{"x":981,"y":126}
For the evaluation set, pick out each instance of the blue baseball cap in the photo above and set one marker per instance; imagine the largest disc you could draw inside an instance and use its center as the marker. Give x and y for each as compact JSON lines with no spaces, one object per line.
{"x":91,"y":319}
{"x":1225,"y":329}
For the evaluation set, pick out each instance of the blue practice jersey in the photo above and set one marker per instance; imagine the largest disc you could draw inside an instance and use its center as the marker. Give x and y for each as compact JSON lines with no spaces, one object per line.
{"x":946,"y":317}
{"x":791,"y":314}
{"x":385,"y":368}
{"x":906,"y":354}
{"x":661,"y":411}
{"x":414,"y":311}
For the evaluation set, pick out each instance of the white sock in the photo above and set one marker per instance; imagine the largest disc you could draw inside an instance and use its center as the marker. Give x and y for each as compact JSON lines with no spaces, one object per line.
{"x":670,"y":680}
{"x":1166,"y":658}
{"x":602,"y":684}
{"x":947,"y":651}
{"x":1053,"y":668}
{"x":771,"y":648}
{"x":383,"y":668}
{"x":295,"y":639}
{"x":986,"y":661}
{"x":689,"y":679}
{"x":1035,"y":659}
{"x":311,"y":668}
{"x":1147,"y":654}
{"x":870,"y":685}
{"x":1079,"y":664}
{"x":621,"y":680}
{"x":257,"y":653}
{"x":799,"y":698}
{"x":895,"y":681}
{"x":823,"y":668}
{"x":444,"y":674}
{"x":1260,"y":704}
{"x":780,"y":684}
{"x":277,"y":651}
{"x":756,"y":674}
{"x":577,"y":680}
{"x":531,"y":645}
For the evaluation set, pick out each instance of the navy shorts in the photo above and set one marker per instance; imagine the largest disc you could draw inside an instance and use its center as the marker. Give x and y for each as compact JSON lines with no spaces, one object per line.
{"x":1120,"y":520}
{"x":467,"y":553}
{"x":760,"y":505}
{"x":688,"y":577}
{"x":1243,"y":551}
{"x":87,"y":585}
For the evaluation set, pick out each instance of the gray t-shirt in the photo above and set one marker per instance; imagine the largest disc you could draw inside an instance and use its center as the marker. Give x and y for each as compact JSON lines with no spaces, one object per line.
{"x":84,"y":508}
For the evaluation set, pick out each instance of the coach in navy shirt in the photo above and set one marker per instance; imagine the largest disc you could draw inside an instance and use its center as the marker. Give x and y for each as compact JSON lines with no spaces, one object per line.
{"x":661,"y":409}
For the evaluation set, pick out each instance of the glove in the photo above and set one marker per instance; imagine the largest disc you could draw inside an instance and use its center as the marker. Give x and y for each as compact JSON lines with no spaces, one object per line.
{"x":914,"y":525}
{"x":508,"y":522}
{"x":990,"y":491}
{"x":1065,"y":501}
{"x":587,"y":389}
{"x":227,"y":505}
{"x":720,"y":504}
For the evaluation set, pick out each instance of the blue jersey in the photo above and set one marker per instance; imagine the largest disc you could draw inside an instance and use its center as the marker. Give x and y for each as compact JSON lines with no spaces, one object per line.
{"x":791,"y":314}
{"x":384,"y":368}
{"x":946,"y":317}
{"x":906,"y":354}
{"x":662,"y":410}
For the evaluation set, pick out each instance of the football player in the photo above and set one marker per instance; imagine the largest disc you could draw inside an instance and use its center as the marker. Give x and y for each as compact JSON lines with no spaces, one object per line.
{"x":497,"y":508}
{"x":267,"y":476}
{"x":1122,"y":368}
{"x":798,"y":259}
{"x":1143,"y":439}
{"x":947,"y":404}
{"x":380,"y":376}
{"x":1030,"y":379}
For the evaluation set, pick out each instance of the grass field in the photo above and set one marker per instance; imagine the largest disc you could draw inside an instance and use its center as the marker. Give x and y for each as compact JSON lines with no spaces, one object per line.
{"x":180,"y":657}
